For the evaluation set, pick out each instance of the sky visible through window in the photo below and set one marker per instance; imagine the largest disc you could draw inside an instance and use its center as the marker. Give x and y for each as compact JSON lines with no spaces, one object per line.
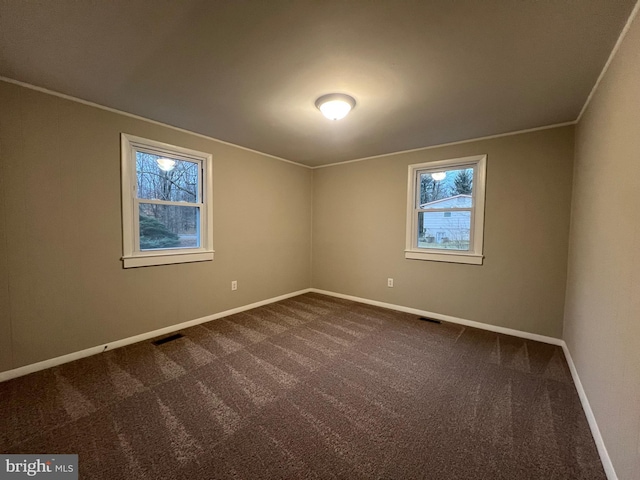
{"x":455,"y":182}
{"x":170,"y":180}
{"x":445,"y":230}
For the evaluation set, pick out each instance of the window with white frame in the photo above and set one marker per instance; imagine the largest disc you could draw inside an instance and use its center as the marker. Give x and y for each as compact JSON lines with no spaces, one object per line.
{"x":166,"y":203}
{"x":445,"y":210}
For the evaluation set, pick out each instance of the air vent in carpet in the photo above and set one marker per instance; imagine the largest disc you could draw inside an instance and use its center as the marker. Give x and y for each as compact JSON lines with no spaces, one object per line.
{"x":170,"y":338}
{"x":432,"y":320}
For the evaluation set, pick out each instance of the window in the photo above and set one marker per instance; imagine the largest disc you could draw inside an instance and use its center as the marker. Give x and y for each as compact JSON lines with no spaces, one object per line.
{"x":166,"y":203}
{"x":445,"y":210}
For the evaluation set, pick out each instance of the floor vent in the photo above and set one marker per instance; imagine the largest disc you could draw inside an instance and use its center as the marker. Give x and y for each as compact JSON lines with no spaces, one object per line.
{"x":432,"y":320}
{"x":170,"y":338}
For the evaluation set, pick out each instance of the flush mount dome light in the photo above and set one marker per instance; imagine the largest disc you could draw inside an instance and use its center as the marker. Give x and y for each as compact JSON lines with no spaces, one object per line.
{"x":438,"y":176}
{"x":335,"y":106}
{"x":166,"y":164}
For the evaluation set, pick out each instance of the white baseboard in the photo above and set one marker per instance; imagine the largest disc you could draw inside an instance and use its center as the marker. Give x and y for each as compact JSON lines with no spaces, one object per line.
{"x":447,"y":318}
{"x":35,"y":367}
{"x":595,"y":431}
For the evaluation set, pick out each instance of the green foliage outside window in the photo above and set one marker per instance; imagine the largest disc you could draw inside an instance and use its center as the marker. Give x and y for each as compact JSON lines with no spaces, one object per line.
{"x":463,"y":182}
{"x":154,"y":234}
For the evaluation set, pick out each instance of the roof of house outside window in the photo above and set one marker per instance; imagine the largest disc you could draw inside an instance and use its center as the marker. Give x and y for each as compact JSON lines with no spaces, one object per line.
{"x":457,"y":201}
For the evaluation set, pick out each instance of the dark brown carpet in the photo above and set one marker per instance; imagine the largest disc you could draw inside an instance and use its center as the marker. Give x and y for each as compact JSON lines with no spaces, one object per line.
{"x":310,"y":387}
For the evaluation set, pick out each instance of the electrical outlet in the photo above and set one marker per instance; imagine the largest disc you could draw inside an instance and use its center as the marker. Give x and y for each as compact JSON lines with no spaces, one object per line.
{"x":389,"y":282}
{"x":234,"y":285}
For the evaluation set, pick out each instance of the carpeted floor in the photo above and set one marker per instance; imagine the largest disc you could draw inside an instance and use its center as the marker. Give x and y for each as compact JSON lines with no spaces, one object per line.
{"x":310,"y":387}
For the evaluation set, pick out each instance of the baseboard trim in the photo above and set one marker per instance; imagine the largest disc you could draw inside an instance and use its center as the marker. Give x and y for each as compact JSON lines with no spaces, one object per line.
{"x":591,"y":418}
{"x":446,"y":318}
{"x":53,"y":362}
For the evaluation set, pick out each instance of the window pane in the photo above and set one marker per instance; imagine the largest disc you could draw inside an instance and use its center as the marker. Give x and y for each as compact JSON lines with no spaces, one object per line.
{"x":169,"y":226}
{"x":446,"y":189}
{"x":166,"y":178}
{"x":437,"y":230}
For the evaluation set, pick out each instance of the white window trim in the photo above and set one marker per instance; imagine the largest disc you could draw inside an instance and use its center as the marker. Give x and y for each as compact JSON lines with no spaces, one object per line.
{"x":474,"y":256}
{"x":132,"y":256}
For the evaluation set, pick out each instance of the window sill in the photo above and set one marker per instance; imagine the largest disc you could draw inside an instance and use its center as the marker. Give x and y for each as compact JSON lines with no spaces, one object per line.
{"x":457,"y":257}
{"x":166,"y":259}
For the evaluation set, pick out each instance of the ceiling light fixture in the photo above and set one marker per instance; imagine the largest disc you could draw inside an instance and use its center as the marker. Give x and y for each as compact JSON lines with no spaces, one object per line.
{"x":335,"y":106}
{"x":438,"y":176}
{"x":166,"y":164}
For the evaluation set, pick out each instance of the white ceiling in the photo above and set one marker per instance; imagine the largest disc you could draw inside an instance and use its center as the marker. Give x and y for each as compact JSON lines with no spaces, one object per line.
{"x":249,"y":71}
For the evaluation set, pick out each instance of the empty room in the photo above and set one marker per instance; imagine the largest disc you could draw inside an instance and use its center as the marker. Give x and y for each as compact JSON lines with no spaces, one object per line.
{"x":320,"y":239}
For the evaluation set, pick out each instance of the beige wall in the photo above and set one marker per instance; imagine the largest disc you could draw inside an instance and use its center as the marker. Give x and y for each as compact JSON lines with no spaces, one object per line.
{"x":61,"y":240}
{"x":5,"y":324}
{"x":359,"y":234}
{"x":602,"y":318}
